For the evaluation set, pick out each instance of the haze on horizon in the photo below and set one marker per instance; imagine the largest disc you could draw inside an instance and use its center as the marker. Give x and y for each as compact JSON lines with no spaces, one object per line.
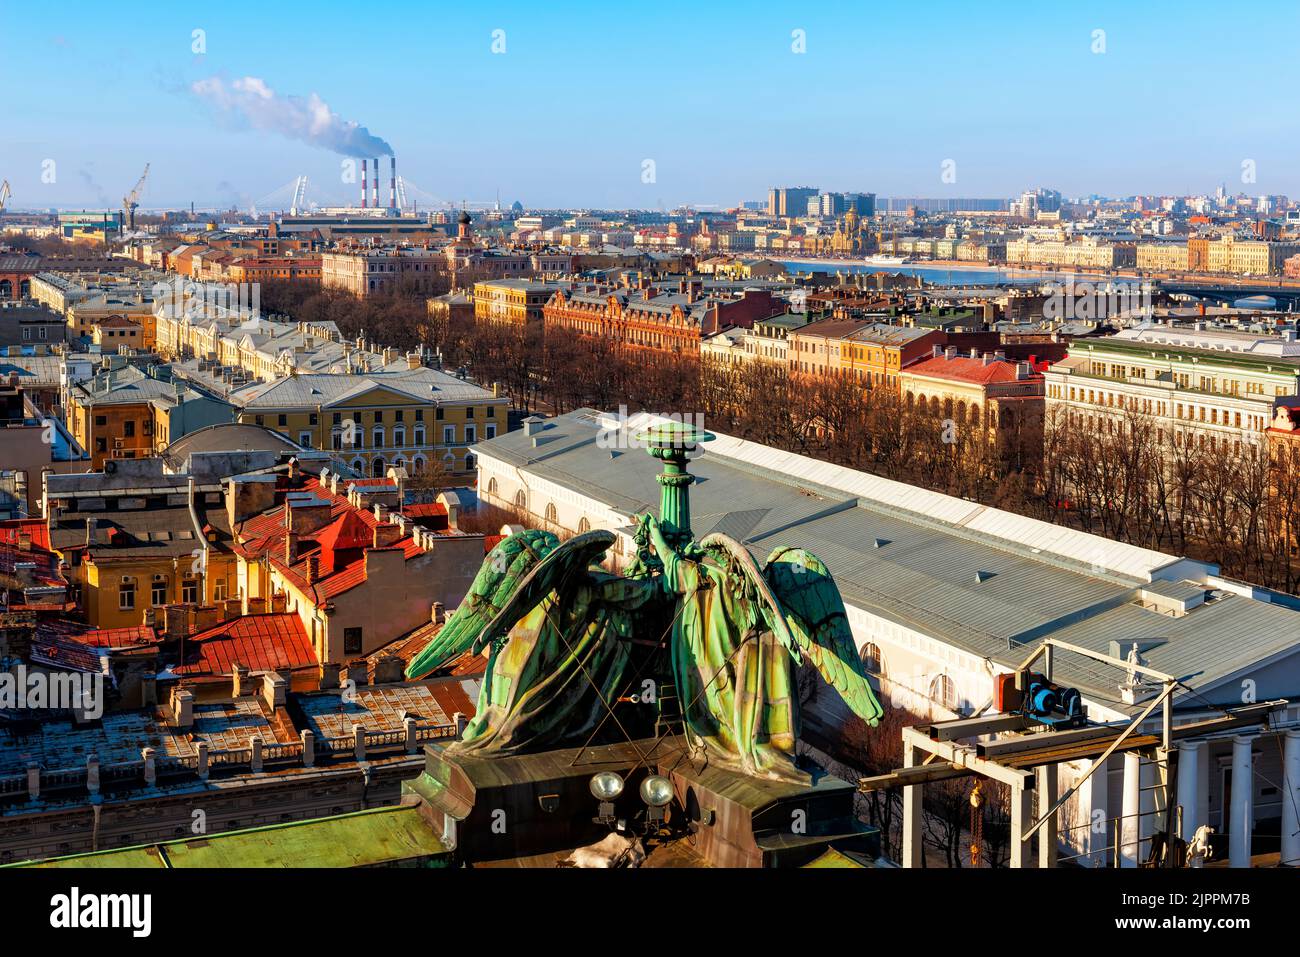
{"x":578,"y":97}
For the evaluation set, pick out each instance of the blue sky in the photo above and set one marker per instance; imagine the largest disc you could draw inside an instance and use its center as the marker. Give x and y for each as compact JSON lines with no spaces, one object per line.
{"x":711,"y":92}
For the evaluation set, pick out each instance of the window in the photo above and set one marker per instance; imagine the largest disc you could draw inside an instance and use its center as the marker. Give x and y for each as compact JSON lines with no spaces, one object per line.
{"x":521,"y":500}
{"x":398,"y":415}
{"x":128,"y":428}
{"x":379,"y":415}
{"x":126,"y":595}
{"x":352,"y":641}
{"x":304,"y":439}
{"x":584,"y":526}
{"x":469,"y":412}
{"x":944,"y":693}
{"x":872,"y":660}
{"x":399,"y":437}
{"x":419,"y":435}
{"x":448,"y":435}
{"x":282,"y":419}
{"x":470,"y":436}
{"x":190,"y":591}
{"x":338,"y":418}
{"x":437,"y":413}
{"x":219,"y":591}
{"x":313,"y":419}
{"x":492,"y":412}
{"x":419,"y":415}
{"x":491,"y":430}
{"x":378,"y":438}
{"x":158,"y":594}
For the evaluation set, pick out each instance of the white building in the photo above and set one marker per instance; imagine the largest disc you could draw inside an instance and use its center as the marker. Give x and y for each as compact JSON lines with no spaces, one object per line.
{"x":943,"y":594}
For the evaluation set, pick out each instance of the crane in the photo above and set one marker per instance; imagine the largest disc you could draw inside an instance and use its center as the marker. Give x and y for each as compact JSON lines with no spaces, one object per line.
{"x":131,"y":201}
{"x":5,"y":193}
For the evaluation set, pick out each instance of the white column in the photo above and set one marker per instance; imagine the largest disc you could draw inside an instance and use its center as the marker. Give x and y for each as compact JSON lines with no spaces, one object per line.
{"x":1193,"y":785}
{"x":1290,"y":795}
{"x":1149,"y":822}
{"x":1243,"y":780}
{"x":912,"y":803}
{"x":1094,"y":796}
{"x":1021,"y":819}
{"x":1045,"y":785}
{"x":1128,"y":824}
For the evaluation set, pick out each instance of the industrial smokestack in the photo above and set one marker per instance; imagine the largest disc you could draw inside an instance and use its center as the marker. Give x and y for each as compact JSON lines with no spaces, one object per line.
{"x":374,"y":189}
{"x":392,"y":183}
{"x":363,"y":184}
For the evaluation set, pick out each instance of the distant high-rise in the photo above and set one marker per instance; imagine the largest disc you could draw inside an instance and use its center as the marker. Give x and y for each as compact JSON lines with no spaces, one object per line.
{"x":789,"y":200}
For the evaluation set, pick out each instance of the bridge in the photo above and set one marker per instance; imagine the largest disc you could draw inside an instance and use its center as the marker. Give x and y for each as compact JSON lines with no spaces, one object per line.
{"x":1225,"y":292}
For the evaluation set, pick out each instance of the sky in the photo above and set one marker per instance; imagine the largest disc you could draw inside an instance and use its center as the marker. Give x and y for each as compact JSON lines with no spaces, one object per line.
{"x":646,"y":105}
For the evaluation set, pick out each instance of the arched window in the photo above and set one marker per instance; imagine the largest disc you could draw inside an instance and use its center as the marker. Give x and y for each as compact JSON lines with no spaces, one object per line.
{"x":418,"y":463}
{"x":359,"y":466}
{"x":378,"y":468}
{"x":872,"y":660}
{"x":521,"y":500}
{"x":552,"y":515}
{"x":944,"y":693}
{"x":470,"y":461}
{"x":584,"y":526}
{"x":492,"y":486}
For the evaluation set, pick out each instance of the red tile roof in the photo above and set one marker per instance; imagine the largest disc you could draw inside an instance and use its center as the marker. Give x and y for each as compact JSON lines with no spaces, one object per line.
{"x":133,"y":637}
{"x":965,"y":369}
{"x":258,"y":642}
{"x":35,"y":527}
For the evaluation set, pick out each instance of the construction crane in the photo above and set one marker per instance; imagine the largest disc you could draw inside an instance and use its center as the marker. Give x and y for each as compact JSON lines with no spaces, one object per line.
{"x":131,"y":201}
{"x":5,"y":193}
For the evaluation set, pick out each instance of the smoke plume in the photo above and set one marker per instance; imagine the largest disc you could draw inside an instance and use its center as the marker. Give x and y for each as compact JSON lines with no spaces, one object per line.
{"x":308,"y":119}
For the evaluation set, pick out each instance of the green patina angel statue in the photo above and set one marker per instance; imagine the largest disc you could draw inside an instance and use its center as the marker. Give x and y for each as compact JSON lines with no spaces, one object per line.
{"x":567,"y":639}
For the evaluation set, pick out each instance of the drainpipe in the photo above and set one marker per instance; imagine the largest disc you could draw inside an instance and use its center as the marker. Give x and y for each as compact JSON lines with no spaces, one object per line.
{"x":199,"y":536}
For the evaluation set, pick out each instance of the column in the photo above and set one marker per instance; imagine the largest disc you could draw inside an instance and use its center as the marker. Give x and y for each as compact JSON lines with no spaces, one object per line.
{"x":1150,"y":821}
{"x":1021,"y":819}
{"x":1094,"y":796}
{"x":1045,"y":785}
{"x":912,"y":804}
{"x":1290,"y":795}
{"x":1193,"y":786}
{"x":1240,"y":813}
{"x":1128,"y":825}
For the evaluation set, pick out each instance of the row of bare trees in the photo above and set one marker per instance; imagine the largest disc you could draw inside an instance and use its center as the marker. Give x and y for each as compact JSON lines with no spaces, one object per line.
{"x":1123,"y":475}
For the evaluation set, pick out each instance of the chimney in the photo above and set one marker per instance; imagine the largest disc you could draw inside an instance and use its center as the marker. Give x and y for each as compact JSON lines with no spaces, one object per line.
{"x":392,"y":183}
{"x":363,"y":184}
{"x":374,"y":189}
{"x":988,"y":358}
{"x":936,"y":352}
{"x":950,"y":352}
{"x":313,"y":569}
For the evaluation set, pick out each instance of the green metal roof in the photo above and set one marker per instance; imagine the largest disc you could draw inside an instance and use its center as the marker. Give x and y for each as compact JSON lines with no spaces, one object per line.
{"x":385,"y":835}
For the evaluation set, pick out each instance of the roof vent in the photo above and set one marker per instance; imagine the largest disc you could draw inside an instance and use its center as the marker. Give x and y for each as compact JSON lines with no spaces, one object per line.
{"x":983,"y":576}
{"x":881,"y":542}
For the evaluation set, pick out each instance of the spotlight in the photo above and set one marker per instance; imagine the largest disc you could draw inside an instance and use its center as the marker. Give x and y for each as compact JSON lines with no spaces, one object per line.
{"x":606,"y":786}
{"x":656,"y":790}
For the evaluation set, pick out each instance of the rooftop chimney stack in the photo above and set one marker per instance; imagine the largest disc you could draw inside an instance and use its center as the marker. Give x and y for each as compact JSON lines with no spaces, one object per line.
{"x":374,"y":188}
{"x":363,"y":184}
{"x":392,"y":184}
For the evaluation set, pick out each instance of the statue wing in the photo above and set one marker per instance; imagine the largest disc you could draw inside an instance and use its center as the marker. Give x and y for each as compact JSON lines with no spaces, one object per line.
{"x":576,"y":555}
{"x":497,"y":580}
{"x":744,"y":562}
{"x":816,"y":616}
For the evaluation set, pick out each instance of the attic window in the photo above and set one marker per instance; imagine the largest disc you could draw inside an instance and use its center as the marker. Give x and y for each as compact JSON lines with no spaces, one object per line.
{"x":983,"y":576}
{"x":881,"y":542}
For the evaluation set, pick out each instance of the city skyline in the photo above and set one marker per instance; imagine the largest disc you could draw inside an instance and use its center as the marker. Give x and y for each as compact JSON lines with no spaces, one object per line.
{"x":544,"y":112}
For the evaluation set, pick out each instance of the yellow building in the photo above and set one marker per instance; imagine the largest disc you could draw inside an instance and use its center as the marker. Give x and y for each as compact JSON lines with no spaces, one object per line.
{"x":419,"y":419}
{"x":516,"y":301}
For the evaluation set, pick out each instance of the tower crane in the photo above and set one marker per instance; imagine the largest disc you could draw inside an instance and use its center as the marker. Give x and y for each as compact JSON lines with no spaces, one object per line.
{"x":131,"y":201}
